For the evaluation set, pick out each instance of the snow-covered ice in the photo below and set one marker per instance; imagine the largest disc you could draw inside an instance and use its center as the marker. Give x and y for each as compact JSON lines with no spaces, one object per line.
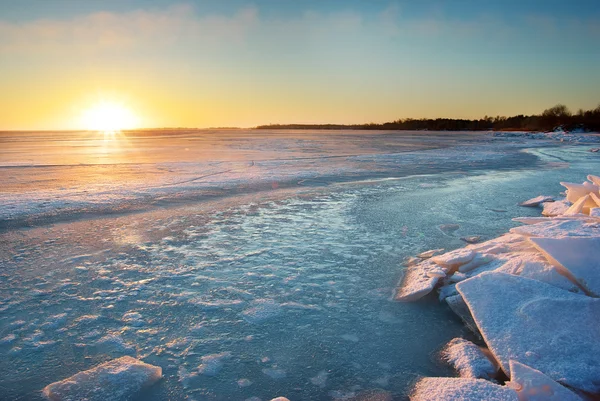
{"x":469,"y":359}
{"x":539,"y":325}
{"x":118,"y":379}
{"x":576,"y":257}
{"x":532,"y":385}
{"x":454,"y":389}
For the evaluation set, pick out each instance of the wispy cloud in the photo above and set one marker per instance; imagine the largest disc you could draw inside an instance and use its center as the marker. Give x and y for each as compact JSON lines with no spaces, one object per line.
{"x":123,"y":31}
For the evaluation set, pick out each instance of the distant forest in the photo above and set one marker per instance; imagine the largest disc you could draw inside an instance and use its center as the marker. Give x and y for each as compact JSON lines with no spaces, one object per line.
{"x":551,"y":119}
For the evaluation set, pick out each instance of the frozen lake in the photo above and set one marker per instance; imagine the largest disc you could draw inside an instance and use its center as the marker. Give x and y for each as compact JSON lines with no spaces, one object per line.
{"x":246,"y":264}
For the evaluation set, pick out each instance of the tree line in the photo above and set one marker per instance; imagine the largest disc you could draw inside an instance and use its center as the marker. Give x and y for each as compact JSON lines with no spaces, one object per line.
{"x":557,"y":117}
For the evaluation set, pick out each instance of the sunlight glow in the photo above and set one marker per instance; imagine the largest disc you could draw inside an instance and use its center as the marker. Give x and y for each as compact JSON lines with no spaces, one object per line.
{"x":108,"y":117}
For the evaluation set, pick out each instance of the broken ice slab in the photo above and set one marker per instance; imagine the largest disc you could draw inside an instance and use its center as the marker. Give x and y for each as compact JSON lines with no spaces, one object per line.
{"x":118,"y":379}
{"x":537,"y":324}
{"x":577,"y":258}
{"x":459,"y":389}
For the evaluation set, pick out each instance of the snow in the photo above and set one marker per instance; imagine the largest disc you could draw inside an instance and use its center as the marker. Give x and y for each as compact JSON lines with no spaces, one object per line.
{"x":459,"y":389}
{"x":115,"y":380}
{"x":469,"y":360}
{"x":538,"y":200}
{"x":417,"y":281}
{"x":537,"y":324}
{"x":532,"y":385}
{"x":577,"y":257}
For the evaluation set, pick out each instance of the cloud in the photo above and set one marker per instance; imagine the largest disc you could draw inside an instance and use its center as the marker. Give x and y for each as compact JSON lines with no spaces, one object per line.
{"x":123,"y":31}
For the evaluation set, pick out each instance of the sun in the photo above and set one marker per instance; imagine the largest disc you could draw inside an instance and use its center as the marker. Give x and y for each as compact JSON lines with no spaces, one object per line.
{"x":108,"y":116}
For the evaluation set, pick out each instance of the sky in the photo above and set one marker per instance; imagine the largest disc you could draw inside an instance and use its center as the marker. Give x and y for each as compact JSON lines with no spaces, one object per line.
{"x":244,"y":63}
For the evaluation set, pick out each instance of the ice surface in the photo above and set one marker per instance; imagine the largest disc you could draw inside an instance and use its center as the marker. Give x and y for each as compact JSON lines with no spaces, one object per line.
{"x":200,"y":253}
{"x":580,"y":257}
{"x":539,"y":325}
{"x":453,"y":389}
{"x":532,"y":385}
{"x":538,"y":200}
{"x":114,"y":380}
{"x":263,"y":310}
{"x":469,"y":360}
{"x":418,"y":280}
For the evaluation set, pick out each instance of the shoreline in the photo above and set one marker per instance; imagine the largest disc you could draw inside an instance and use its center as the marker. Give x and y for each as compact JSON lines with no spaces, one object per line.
{"x":550,"y":262}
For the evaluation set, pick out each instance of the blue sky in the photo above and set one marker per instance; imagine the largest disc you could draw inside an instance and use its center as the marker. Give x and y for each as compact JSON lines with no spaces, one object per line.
{"x":203,"y":63}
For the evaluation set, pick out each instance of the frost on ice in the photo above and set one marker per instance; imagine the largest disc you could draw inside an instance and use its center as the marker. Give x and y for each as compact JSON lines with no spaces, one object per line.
{"x":537,"y":324}
{"x":455,"y":389}
{"x":532,"y":385}
{"x":469,"y":360}
{"x":114,"y":380}
{"x":418,"y":281}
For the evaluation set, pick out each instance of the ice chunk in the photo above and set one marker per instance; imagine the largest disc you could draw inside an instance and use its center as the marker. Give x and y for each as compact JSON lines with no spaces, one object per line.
{"x":594,"y":179}
{"x":578,"y":258}
{"x":576,"y":191}
{"x":534,"y":265}
{"x":469,"y":360}
{"x":555,"y":208}
{"x":472,"y":239}
{"x":416,"y":281}
{"x":430,"y":253}
{"x":560,"y":228}
{"x":452,"y":260}
{"x":537,"y":324}
{"x":459,"y":306}
{"x":212,"y":364}
{"x":280,"y":399}
{"x":480,"y":259}
{"x":538,"y":200}
{"x":454,"y":389}
{"x":532,"y":385}
{"x":595,"y":198}
{"x":118,"y":379}
{"x":579,"y":206}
